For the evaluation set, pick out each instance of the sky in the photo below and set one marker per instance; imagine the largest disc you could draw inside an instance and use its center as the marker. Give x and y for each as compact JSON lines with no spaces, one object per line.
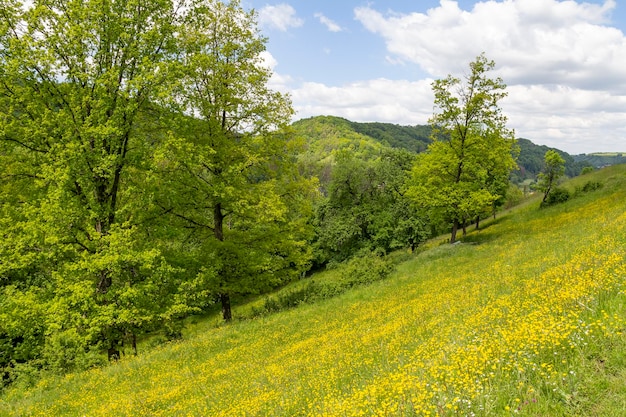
{"x":564,"y":62}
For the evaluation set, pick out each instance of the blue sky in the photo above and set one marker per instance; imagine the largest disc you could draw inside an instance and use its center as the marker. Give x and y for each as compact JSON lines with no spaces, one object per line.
{"x":564,"y":61}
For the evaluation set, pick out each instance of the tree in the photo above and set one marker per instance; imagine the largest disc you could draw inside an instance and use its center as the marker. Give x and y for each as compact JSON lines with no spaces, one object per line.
{"x":230,"y":170}
{"x":553,"y":170}
{"x":76,"y":78}
{"x":366,"y":207}
{"x":472,"y":151}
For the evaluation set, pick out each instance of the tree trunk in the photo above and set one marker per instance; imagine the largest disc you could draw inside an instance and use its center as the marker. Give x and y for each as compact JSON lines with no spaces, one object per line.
{"x":455,"y":228}
{"x":134,"y":342}
{"x":218,"y":222}
{"x":477,"y":222}
{"x":226,"y":312}
{"x":218,"y":232}
{"x":113,"y":353}
{"x":464,"y":227}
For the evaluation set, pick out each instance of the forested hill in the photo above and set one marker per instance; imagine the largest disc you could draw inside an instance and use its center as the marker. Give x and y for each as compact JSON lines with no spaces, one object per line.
{"x":323,"y":134}
{"x":331,"y":132}
{"x":530,"y":160}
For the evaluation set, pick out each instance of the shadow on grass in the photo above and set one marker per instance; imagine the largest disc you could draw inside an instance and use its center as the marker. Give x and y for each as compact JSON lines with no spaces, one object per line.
{"x":486,"y":232}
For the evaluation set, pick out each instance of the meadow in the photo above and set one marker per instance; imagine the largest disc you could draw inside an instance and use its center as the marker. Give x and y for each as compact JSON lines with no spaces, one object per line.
{"x":525,"y":317}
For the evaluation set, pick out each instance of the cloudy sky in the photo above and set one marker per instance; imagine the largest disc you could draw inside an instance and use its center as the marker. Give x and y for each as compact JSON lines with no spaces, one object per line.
{"x":564,"y":61}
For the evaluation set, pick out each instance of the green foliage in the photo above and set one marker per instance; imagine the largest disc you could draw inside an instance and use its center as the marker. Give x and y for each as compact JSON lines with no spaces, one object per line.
{"x":458,"y":318}
{"x":514,"y":195}
{"x":601,"y":159}
{"x":557,"y":196}
{"x":230,"y":173}
{"x":365,"y":207}
{"x":119,"y":211}
{"x":591,"y":186}
{"x":412,"y":138}
{"x":554,"y":168}
{"x":77,"y":81}
{"x":465,"y":170}
{"x":587,"y":170}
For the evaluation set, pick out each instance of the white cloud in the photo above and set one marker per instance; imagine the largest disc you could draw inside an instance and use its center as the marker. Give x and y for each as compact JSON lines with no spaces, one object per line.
{"x":563,"y":64}
{"x":379,"y":100}
{"x":531,"y":40}
{"x":575,"y":120}
{"x":330,"y":25}
{"x":280,"y":17}
{"x":277,"y":82}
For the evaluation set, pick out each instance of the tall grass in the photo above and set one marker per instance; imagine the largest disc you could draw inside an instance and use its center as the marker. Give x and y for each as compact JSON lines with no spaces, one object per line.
{"x":526,"y":317}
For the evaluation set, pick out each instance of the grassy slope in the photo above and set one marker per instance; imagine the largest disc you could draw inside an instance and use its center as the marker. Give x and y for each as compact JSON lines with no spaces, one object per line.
{"x":525,"y":318}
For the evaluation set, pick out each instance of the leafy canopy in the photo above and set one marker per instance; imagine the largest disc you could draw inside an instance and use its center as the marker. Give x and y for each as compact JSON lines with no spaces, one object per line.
{"x":465,"y":169}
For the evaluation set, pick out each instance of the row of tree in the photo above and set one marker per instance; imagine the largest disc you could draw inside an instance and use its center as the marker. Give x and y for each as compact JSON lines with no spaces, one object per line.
{"x":147,"y":172}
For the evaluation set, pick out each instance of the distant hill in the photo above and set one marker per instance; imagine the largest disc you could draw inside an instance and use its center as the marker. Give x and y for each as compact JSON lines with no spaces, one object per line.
{"x":331,"y":132}
{"x":530,"y":161}
{"x":601,"y":159}
{"x":413,"y":138}
{"x":324,"y":134}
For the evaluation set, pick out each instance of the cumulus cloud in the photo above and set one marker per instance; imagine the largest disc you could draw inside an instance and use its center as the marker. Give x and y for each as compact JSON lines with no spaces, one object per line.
{"x":277,"y":82}
{"x":575,"y":120}
{"x":379,"y":100}
{"x":330,"y":25}
{"x":561,"y":60}
{"x":546,"y":41}
{"x":280,"y":17}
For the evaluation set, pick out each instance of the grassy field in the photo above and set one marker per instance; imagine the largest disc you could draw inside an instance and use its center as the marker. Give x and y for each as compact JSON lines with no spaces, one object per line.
{"x":525,"y":317}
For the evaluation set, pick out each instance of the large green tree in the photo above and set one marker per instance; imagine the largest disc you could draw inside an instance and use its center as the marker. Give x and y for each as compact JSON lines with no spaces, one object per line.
{"x":464,"y":170}
{"x":76,"y":79}
{"x":230,"y":169}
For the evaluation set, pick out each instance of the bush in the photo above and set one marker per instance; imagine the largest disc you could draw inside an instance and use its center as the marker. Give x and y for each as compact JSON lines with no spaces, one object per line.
{"x":360,"y":270}
{"x":514,"y":195}
{"x":586,"y":170}
{"x":556,"y":196}
{"x":591,"y":186}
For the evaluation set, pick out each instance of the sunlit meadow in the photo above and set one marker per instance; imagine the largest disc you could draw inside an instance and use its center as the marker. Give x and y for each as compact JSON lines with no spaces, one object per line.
{"x":516,"y":320}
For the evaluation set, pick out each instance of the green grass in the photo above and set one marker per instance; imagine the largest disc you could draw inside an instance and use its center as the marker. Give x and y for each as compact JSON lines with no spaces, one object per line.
{"x":526,"y":316}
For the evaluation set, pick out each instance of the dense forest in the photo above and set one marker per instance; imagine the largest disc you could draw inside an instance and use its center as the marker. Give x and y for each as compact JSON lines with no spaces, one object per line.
{"x":148,"y":173}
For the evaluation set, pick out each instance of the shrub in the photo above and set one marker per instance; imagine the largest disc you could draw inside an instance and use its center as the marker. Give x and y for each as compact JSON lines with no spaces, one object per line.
{"x":591,"y":186}
{"x":364,"y":269}
{"x":557,"y":195}
{"x":586,"y":170}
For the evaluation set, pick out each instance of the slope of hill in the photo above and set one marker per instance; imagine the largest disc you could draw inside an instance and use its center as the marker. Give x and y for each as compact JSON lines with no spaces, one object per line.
{"x":526,"y":317}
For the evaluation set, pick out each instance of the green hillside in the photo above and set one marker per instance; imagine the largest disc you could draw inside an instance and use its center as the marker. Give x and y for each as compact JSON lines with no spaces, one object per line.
{"x":524,"y":317}
{"x":327,"y":129}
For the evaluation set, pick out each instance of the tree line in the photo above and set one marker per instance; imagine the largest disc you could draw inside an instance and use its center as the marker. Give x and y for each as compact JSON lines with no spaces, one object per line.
{"x":148,"y":172}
